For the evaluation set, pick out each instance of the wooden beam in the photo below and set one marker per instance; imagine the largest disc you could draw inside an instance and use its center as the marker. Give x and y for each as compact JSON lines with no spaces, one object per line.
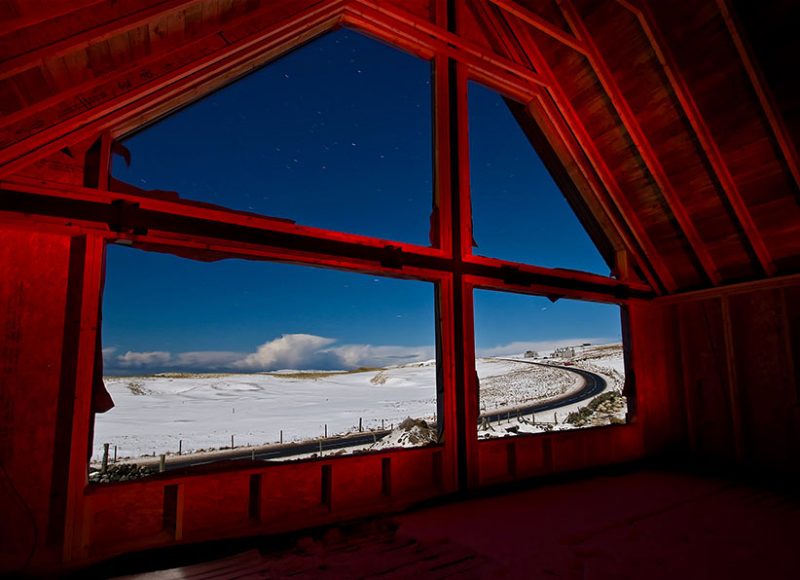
{"x":732,"y":289}
{"x":446,"y":42}
{"x":560,"y":111}
{"x":734,"y":398}
{"x":685,"y":342}
{"x":789,"y":349}
{"x":770,"y":110}
{"x":540,"y":24}
{"x":186,"y":220}
{"x":81,"y":409}
{"x":84,"y":39}
{"x":704,"y":137}
{"x":639,"y":138}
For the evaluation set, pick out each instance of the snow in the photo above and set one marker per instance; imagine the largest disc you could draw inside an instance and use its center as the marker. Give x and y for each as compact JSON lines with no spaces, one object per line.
{"x":506,"y":383}
{"x":154,"y":413}
{"x":605,"y":360}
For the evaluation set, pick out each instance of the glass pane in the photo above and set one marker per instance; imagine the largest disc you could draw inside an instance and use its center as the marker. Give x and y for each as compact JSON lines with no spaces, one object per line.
{"x":267,"y":358}
{"x":518,"y":211}
{"x":545,"y":366}
{"x":337,"y":135}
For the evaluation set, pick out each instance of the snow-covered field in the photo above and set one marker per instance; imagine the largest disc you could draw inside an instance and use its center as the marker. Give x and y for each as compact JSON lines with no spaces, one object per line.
{"x":605,"y":360}
{"x":154,"y":413}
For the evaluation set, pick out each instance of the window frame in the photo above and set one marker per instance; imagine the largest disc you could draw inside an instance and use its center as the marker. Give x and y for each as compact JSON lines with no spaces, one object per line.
{"x":455,"y":274}
{"x":185,"y":228}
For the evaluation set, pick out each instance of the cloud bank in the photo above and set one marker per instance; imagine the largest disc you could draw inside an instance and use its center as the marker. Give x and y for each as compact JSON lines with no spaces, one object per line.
{"x":305,"y":352}
{"x":290,"y":351}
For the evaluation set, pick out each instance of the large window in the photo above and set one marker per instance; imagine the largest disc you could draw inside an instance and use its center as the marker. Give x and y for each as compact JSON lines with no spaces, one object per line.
{"x":335,"y":135}
{"x":247,"y":360}
{"x":358,"y":345}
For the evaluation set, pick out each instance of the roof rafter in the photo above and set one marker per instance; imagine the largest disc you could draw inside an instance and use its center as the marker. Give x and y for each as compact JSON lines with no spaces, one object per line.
{"x":541,"y":24}
{"x":775,"y":121}
{"x":639,"y":139}
{"x":183,"y":84}
{"x":706,"y":140}
{"x":649,"y":260}
{"x":452,"y":44}
{"x":83,"y":39}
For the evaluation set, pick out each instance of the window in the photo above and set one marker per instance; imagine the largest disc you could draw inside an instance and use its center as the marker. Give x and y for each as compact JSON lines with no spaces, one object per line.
{"x":545,"y":366}
{"x":268,"y":360}
{"x":518,"y":211}
{"x":249,"y":360}
{"x":334,"y":135}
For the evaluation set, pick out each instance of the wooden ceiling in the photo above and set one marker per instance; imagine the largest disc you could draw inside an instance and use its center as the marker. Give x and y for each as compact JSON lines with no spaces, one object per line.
{"x":675,"y":121}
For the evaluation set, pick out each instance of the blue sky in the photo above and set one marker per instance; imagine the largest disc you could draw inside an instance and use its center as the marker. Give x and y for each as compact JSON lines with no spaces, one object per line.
{"x":337,"y":135}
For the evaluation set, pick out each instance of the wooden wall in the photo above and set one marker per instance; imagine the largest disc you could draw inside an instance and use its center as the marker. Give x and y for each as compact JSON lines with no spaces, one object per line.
{"x":738,"y":355}
{"x":40,"y":274}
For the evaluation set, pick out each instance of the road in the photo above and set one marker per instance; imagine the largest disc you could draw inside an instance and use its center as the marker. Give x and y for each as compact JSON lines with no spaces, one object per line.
{"x":593,"y":385}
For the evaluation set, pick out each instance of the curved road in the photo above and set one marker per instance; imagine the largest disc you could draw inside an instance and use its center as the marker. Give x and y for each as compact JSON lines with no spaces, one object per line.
{"x":593,"y":385}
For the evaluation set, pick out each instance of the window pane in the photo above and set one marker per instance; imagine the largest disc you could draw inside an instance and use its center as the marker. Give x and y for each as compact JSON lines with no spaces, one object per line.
{"x":518,"y":211}
{"x":545,"y":366}
{"x":198,"y":353}
{"x":336,"y":135}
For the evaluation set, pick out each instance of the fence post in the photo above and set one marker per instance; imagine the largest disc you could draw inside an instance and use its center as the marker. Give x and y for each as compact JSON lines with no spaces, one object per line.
{"x":104,"y":467}
{"x":162,"y":463}
{"x":231,"y":441}
{"x":360,"y":429}
{"x":115,"y":453}
{"x":281,"y":436}
{"x":180,"y":446}
{"x":326,"y":430}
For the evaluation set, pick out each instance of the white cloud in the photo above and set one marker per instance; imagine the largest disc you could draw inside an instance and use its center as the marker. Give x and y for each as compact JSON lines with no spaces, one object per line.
{"x":367,"y":355}
{"x":133,"y":359}
{"x":290,"y":351}
{"x":207,"y":359}
{"x":108,"y":354}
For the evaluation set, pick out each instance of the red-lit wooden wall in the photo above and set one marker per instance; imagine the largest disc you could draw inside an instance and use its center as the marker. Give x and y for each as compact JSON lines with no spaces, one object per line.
{"x":674,"y":147}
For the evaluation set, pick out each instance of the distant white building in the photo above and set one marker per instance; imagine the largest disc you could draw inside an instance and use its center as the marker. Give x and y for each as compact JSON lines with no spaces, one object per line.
{"x":564,"y":352}
{"x":531,"y":354}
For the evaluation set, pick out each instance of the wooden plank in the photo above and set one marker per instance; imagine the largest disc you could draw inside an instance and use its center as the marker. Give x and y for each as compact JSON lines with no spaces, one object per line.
{"x":86,"y":38}
{"x":641,"y":141}
{"x":467,"y":52}
{"x":541,"y":24}
{"x":732,"y":289}
{"x":734,"y":397}
{"x":93,"y":276}
{"x":776,"y":123}
{"x":791,"y":316}
{"x":710,"y":148}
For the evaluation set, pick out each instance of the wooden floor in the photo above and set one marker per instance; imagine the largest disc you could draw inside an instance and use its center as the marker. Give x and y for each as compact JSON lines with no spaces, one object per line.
{"x":645,"y":523}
